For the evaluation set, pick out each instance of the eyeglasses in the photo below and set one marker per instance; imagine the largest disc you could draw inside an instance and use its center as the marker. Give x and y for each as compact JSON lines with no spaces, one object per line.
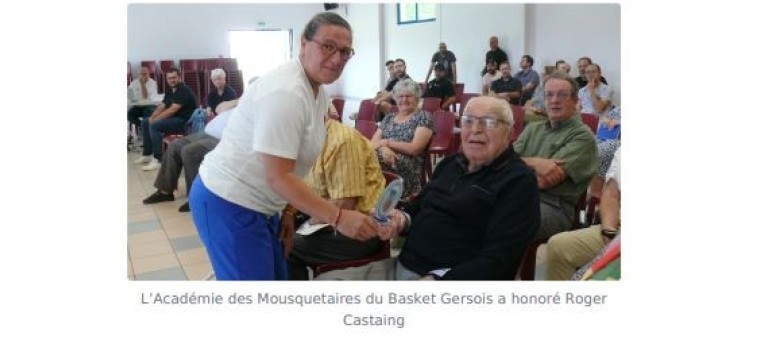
{"x":489,"y":122}
{"x":561,"y":95}
{"x":329,"y":49}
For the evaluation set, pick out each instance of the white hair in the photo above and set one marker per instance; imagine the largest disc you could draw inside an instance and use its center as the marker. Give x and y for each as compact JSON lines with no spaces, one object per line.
{"x":218,"y":73}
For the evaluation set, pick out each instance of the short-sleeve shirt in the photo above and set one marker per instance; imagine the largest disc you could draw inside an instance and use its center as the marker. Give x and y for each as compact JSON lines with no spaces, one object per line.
{"x":183,"y":96}
{"x":277,"y":115}
{"x":408,"y":167}
{"x":571,"y":141}
{"x":525,"y":77}
{"x":135,"y":90}
{"x":213,"y":98}
{"x":446,"y":59}
{"x":510,"y":85}
{"x":604,"y":92}
{"x":498,"y":56}
{"x":347,"y":167}
{"x":440,"y":89}
{"x":393,"y":82}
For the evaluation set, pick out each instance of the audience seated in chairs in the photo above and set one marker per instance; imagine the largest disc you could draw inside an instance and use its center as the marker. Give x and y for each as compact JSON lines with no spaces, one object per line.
{"x":140,"y":92}
{"x":562,"y":152}
{"x":187,"y":153}
{"x":528,"y":78}
{"x":403,"y":138}
{"x":534,"y":108}
{"x":447,"y":60}
{"x":384,"y":99}
{"x":595,"y":97}
{"x":582,"y":79}
{"x":221,"y":92}
{"x":492,"y":73}
{"x":507,"y":87}
{"x":169,"y":118}
{"x":441,"y":87}
{"x":347,"y":173}
{"x":480,"y":210}
{"x":607,"y":142}
{"x":569,"y":250}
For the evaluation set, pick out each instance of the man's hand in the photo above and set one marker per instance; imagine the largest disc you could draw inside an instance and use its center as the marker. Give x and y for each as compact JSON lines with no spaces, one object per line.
{"x":287,"y":231}
{"x":356,"y":225}
{"x":549,"y":172}
{"x":392,"y":228}
{"x":592,"y":84}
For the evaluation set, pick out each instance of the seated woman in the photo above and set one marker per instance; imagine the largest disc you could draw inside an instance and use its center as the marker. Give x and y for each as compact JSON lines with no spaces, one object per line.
{"x":403,"y":138}
{"x":221,"y":92}
{"x":480,"y":209}
{"x":606,"y":148}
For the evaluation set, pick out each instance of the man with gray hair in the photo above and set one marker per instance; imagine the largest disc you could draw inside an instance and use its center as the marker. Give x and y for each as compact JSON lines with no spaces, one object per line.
{"x":480,"y":210}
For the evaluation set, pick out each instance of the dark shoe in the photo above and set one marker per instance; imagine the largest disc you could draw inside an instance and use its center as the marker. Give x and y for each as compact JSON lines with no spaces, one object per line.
{"x":185,"y":207}
{"x":157,"y":197}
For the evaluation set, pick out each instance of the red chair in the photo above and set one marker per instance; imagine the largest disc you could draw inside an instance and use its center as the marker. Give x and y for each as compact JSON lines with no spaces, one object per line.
{"x":443,"y":143}
{"x":235,"y":80}
{"x":166,"y":65}
{"x":212,"y":63}
{"x":459,"y":93}
{"x":431,"y":104}
{"x":193,"y":80}
{"x":466,"y":98}
{"x":366,"y":127}
{"x":519,"y":117}
{"x":383,"y":253}
{"x":339,"y":103}
{"x":229,"y":64}
{"x":527,"y":270}
{"x":189,"y":65}
{"x":151,"y":65}
{"x":367,"y":110}
{"x":591,"y":120}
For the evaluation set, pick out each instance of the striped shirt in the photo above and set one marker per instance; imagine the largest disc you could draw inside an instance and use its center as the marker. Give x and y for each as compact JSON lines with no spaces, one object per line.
{"x":347,"y":167}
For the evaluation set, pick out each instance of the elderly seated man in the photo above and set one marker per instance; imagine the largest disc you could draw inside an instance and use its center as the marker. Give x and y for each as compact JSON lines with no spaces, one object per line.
{"x":480,"y":210}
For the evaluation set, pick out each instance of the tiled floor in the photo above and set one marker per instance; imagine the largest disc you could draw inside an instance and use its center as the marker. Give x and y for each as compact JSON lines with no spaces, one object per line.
{"x":163,"y":243}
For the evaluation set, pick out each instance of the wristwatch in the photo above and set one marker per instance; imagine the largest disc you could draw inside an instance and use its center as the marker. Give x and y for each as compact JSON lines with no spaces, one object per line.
{"x":609,"y":234}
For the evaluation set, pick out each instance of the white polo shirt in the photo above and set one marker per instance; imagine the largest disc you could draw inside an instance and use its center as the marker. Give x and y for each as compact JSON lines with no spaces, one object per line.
{"x":277,"y":115}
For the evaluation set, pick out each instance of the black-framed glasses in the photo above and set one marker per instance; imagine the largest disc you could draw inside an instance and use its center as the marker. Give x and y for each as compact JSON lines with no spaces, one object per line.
{"x":489,"y":122}
{"x":329,"y":49}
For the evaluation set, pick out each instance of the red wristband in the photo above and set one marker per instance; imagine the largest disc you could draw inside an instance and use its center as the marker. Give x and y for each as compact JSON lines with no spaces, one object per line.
{"x":337,"y":218}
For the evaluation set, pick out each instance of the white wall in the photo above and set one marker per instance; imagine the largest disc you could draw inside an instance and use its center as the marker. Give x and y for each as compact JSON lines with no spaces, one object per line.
{"x":189,"y":31}
{"x":362,"y":72}
{"x":465,"y":29}
{"x":574,"y":30}
{"x":546,"y":31}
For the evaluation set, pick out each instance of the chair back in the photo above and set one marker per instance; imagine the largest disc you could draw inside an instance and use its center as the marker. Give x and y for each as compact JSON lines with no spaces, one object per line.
{"x":193,"y":80}
{"x":591,"y":120}
{"x":366,"y":110}
{"x":366,"y":127}
{"x":431,"y":104}
{"x":518,"y":114}
{"x":442,"y":142}
{"x":339,"y":103}
{"x":466,"y":98}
